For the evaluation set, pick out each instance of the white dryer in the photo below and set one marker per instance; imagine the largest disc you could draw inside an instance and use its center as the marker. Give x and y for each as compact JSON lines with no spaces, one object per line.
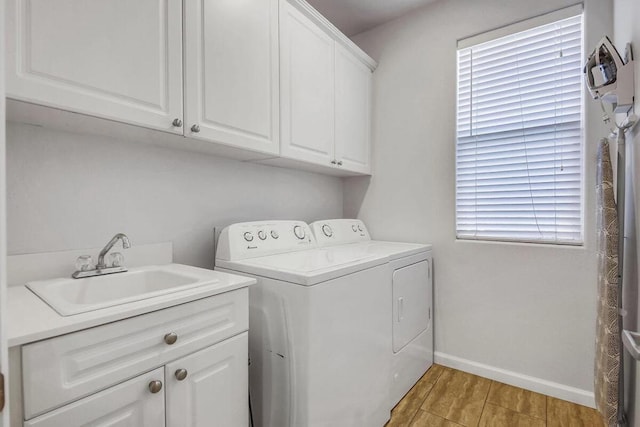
{"x":409,"y":276}
{"x":318,"y":327}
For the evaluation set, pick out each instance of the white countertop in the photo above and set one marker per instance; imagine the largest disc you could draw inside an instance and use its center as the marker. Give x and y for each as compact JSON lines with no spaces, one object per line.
{"x":30,"y":319}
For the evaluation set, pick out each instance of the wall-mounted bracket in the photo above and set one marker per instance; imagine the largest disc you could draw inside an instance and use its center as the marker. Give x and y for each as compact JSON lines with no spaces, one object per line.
{"x":628,"y":53}
{"x":631,"y":342}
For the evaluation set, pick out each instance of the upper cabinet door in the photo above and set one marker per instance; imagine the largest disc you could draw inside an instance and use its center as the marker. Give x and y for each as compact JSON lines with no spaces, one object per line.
{"x":116,"y":59}
{"x":353,"y":112}
{"x":307,"y":65}
{"x":210,"y":387}
{"x":231,"y":73}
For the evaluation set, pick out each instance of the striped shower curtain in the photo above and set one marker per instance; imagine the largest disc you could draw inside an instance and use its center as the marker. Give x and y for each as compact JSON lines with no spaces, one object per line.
{"x":607,"y":363}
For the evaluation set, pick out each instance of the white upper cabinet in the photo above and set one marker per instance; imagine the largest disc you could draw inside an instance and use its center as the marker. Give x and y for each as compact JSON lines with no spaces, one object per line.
{"x":265,"y":80}
{"x":353,"y":112}
{"x":307,"y":72}
{"x":231,"y":73}
{"x":325,"y":92}
{"x":116,"y":59}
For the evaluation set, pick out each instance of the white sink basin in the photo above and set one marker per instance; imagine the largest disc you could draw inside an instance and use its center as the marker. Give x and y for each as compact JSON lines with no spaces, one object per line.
{"x":74,"y":296}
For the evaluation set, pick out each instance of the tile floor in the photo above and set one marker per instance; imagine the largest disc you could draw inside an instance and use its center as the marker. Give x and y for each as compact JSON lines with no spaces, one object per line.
{"x":446,"y":397}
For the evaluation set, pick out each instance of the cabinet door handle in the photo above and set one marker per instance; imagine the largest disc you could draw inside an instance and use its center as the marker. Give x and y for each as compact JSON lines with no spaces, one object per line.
{"x":195,"y":128}
{"x":400,"y":309}
{"x":181,"y":374}
{"x":171,"y":338}
{"x":177,"y":123}
{"x":155,"y":386}
{"x":340,"y":163}
{"x":333,"y":162}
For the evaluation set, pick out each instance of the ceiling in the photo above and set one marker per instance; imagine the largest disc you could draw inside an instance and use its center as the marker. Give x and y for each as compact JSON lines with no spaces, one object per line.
{"x":355,"y":16}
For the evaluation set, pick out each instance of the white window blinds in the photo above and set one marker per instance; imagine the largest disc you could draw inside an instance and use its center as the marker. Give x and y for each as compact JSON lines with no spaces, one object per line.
{"x":519,"y":136}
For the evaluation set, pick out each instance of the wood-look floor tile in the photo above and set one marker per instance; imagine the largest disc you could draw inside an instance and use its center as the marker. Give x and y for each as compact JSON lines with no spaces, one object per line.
{"x":519,"y":400}
{"x":566,"y":414}
{"x":404,"y":411}
{"x":497,"y":416}
{"x":458,"y":397}
{"x":434,"y":372}
{"x":425,"y":419}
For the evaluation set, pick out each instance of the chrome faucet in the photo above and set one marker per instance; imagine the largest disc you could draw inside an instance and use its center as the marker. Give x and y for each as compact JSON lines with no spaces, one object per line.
{"x":126,"y":244}
{"x":86,"y":269}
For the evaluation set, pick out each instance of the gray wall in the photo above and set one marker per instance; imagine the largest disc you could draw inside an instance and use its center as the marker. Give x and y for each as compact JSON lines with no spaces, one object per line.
{"x":528,"y":309}
{"x":72,"y":191}
{"x":627,"y":30}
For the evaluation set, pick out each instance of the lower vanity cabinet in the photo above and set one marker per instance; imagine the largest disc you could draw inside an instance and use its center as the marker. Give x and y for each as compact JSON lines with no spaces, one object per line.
{"x":183,"y":366}
{"x":205,"y":388}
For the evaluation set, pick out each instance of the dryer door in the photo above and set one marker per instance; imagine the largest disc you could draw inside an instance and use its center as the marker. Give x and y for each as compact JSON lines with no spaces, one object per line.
{"x":411,"y":303}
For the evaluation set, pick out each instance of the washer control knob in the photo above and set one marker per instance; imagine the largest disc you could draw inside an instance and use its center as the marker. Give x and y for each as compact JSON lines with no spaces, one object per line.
{"x":326,"y":229}
{"x":262,"y":235}
{"x":354,"y":228}
{"x":274,"y":234}
{"x":248,"y":236}
{"x":299,"y":232}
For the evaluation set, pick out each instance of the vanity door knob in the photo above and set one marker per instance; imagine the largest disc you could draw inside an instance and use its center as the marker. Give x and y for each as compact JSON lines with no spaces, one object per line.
{"x":195,"y":128}
{"x":171,"y":338}
{"x":181,"y":374}
{"x":340,"y":163}
{"x":333,"y":162}
{"x":177,"y":123}
{"x":155,"y":386}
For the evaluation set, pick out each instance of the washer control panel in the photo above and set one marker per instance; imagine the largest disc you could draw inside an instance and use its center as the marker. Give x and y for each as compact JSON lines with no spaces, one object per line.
{"x":339,"y":231}
{"x":253,"y":239}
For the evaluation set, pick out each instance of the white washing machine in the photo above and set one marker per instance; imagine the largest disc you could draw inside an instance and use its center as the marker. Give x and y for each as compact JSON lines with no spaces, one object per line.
{"x":318,"y":327}
{"x":409,"y":275}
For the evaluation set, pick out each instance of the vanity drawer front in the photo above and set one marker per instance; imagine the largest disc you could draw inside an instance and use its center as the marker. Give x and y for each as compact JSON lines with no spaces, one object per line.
{"x":63,"y":369}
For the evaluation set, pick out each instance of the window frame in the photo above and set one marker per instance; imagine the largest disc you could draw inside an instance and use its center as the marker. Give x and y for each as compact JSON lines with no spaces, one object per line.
{"x":491,"y":35}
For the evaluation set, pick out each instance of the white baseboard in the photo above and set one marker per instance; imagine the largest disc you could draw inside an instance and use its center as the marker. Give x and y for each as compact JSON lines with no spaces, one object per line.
{"x":560,"y":391}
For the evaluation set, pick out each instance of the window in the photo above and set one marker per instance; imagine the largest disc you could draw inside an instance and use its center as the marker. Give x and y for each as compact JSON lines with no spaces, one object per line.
{"x":519,"y":133}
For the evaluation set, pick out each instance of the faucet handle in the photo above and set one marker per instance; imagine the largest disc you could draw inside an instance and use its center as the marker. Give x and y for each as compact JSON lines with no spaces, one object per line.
{"x":84,"y":263}
{"x":116,"y":259}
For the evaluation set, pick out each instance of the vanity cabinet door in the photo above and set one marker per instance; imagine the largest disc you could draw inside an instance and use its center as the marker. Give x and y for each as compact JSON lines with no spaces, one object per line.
{"x":353,"y":112}
{"x":231,"y":73}
{"x":307,"y":81}
{"x":210,"y":387}
{"x":116,"y":59}
{"x":131,"y":403}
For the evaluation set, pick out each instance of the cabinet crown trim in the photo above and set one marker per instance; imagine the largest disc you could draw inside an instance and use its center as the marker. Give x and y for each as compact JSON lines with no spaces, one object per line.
{"x":334,"y":32}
